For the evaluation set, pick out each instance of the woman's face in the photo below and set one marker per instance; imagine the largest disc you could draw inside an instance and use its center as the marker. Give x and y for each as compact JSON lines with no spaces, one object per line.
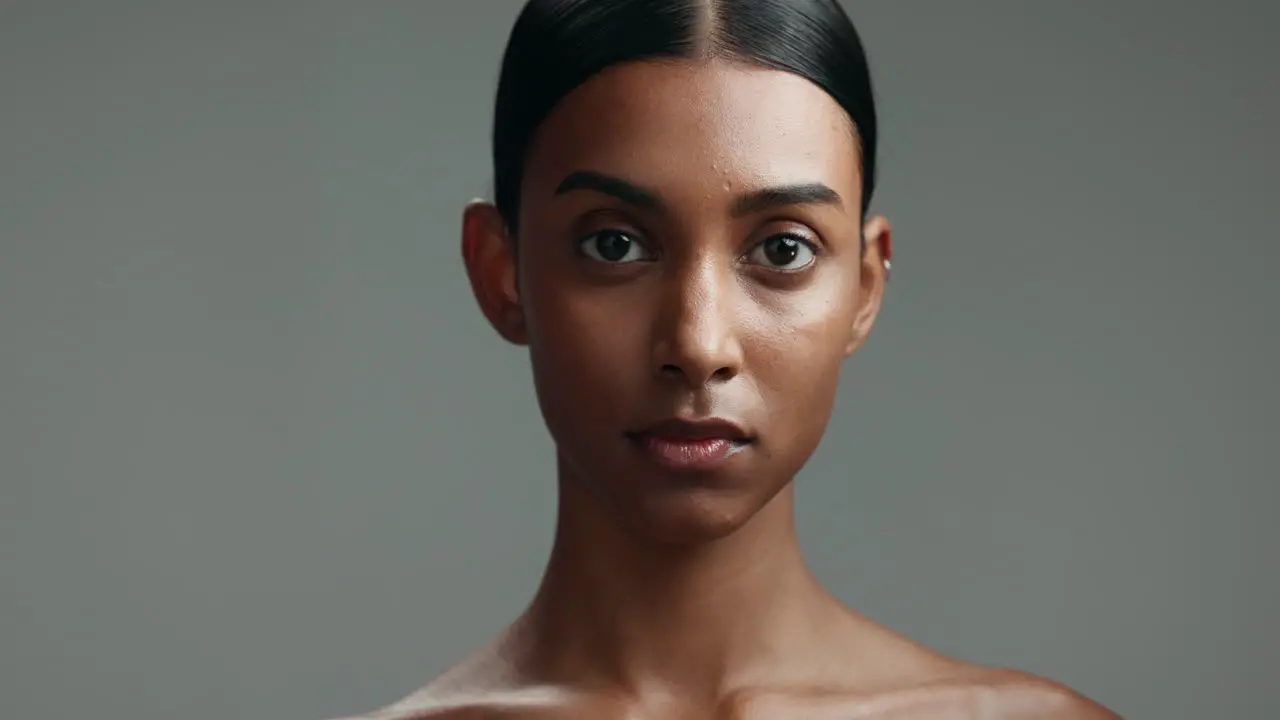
{"x":688,"y":276}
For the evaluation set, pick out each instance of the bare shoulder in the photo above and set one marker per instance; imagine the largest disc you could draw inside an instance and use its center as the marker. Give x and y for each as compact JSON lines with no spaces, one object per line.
{"x":423,"y":714}
{"x":468,"y":693}
{"x":968,"y":693}
{"x":918,"y":681}
{"x":906,"y":677}
{"x":422,"y":709}
{"x":1013,"y":695}
{"x":479,"y":708}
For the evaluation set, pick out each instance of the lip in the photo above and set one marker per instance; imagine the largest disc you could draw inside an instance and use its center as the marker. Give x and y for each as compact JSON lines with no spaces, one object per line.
{"x":691,"y":444}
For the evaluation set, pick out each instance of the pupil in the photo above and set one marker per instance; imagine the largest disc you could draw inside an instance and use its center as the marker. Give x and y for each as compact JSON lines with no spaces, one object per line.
{"x":782,"y":250}
{"x":613,"y":246}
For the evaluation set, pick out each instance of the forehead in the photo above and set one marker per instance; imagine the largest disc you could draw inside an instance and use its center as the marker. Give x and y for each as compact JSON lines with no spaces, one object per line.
{"x":697,"y":129}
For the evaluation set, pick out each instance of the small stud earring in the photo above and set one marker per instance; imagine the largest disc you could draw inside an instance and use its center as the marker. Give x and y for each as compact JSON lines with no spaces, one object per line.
{"x":887,"y":269}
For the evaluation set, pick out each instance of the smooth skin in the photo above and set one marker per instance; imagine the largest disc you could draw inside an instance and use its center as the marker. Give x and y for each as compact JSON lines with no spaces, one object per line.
{"x":691,"y":245}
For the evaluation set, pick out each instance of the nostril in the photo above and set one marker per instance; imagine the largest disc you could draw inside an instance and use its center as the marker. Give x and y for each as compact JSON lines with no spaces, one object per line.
{"x":675,"y":372}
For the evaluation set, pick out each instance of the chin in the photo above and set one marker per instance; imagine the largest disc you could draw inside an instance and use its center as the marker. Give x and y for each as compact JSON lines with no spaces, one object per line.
{"x":691,"y":516}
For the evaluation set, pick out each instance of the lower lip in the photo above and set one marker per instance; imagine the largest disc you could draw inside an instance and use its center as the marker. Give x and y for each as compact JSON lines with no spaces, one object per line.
{"x":688,"y":454}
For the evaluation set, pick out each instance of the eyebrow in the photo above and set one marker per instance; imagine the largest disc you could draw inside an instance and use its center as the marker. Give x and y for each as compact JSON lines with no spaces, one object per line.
{"x":748,"y":203}
{"x":783,"y":196}
{"x":627,"y":192}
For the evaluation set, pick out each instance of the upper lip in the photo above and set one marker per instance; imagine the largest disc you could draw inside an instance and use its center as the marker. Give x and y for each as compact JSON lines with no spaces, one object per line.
{"x":696,"y":429}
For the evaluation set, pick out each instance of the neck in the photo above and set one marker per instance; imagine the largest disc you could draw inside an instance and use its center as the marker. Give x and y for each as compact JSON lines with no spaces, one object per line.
{"x":621,"y":610}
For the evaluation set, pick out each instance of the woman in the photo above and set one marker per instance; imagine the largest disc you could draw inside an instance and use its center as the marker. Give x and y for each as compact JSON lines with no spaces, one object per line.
{"x":681,"y":239}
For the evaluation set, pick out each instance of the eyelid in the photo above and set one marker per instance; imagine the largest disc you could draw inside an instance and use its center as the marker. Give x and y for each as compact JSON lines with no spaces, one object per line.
{"x":797,"y":232}
{"x":603,"y":220}
{"x":795,"y":226}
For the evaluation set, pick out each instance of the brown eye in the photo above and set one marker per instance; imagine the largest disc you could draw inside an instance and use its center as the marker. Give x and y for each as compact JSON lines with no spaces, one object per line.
{"x":612,"y":246}
{"x":784,"y":252}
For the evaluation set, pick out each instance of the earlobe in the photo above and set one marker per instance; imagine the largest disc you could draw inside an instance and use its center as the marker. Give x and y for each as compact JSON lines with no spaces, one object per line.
{"x":489,"y":256}
{"x":876,"y":258}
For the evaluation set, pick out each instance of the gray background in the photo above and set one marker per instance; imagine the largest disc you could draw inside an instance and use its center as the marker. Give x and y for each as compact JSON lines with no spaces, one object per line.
{"x":260,"y":457}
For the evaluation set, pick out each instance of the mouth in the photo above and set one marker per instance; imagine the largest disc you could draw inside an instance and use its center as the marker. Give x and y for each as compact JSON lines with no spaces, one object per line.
{"x":691,"y":445}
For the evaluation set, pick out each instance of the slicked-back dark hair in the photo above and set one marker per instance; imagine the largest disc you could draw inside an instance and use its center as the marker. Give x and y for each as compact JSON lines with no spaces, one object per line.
{"x":556,"y":45}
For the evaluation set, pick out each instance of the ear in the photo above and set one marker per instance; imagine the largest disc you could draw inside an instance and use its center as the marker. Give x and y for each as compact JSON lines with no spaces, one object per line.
{"x":489,"y":254}
{"x":878,"y":251}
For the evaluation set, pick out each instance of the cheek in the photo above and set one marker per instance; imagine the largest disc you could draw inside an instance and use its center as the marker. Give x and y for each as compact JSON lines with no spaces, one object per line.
{"x":800,"y":366}
{"x":586,"y":349}
{"x":795,"y":361}
{"x":802,"y":336}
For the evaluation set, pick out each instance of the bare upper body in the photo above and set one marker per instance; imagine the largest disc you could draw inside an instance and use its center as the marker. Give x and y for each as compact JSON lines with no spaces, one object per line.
{"x":681,"y":241}
{"x":938,"y":689}
{"x":787,"y":651}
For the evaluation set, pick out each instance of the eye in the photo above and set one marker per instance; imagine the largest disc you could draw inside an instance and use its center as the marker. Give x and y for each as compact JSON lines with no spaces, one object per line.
{"x":612,"y":246}
{"x":787,"y":253}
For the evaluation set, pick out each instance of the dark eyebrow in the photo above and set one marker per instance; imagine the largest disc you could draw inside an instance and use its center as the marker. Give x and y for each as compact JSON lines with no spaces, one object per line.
{"x":767,"y":198}
{"x":747,"y":204}
{"x":612,"y":186}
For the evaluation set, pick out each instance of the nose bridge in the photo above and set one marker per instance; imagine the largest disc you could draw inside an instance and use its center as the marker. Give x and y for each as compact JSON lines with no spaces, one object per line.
{"x":696,"y":334}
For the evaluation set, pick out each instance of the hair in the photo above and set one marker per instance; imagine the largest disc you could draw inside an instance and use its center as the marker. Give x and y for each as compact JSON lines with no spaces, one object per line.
{"x":557,"y":45}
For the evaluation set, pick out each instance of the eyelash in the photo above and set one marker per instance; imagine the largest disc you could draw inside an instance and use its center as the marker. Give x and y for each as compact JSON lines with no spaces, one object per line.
{"x":814,"y":247}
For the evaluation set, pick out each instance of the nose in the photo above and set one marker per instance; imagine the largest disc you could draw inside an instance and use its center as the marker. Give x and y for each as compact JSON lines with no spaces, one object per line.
{"x":695,"y":336}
